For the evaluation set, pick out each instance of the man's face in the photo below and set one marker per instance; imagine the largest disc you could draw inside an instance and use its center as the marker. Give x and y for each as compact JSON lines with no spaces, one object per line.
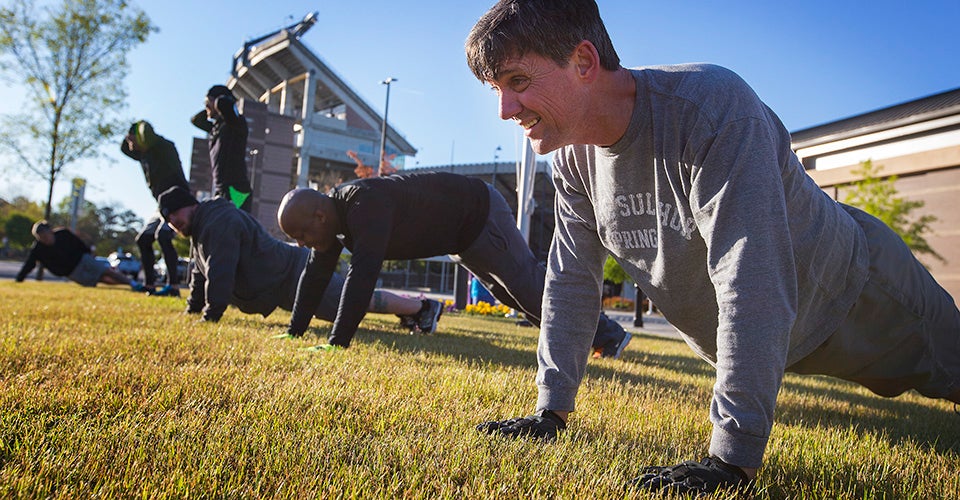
{"x":46,"y":238}
{"x":312,"y":231}
{"x":132,"y":144}
{"x":181,"y":220}
{"x":211,"y":110}
{"x":541,"y":97}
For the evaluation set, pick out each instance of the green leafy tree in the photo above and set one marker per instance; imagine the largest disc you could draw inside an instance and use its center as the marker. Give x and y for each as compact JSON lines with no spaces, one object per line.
{"x":108,"y":228}
{"x":612,"y":272}
{"x":878,"y":196}
{"x":20,"y":206}
{"x":118,"y":229}
{"x":18,"y":229}
{"x":72,"y":59}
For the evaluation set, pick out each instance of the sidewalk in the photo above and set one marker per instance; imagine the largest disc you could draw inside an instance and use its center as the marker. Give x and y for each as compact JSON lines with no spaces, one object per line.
{"x":653,"y":324}
{"x":10,"y":268}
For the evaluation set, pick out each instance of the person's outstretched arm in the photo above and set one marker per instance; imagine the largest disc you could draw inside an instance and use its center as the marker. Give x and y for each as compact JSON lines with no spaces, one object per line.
{"x":28,"y":264}
{"x":200,"y":121}
{"x":313,"y":282}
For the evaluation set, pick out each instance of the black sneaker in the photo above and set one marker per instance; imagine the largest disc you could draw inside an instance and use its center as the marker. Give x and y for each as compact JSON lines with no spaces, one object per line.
{"x":429,"y":315}
{"x":693,"y":478}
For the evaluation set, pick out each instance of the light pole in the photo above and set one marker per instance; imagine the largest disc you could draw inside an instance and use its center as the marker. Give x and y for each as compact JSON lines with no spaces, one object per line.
{"x":383,"y":129}
{"x":496,"y":156}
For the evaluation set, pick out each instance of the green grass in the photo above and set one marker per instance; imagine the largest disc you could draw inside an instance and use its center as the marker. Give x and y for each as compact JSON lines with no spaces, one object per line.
{"x":107,"y":393}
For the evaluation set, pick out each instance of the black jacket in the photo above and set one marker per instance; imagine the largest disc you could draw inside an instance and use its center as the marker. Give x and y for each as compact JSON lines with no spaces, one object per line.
{"x":227,"y":140}
{"x":237,"y":262}
{"x":161,"y":164}
{"x":61,"y":258}
{"x":396,"y":217}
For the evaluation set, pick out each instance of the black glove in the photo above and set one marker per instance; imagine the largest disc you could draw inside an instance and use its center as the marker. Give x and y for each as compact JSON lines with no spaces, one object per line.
{"x":693,"y":478}
{"x":545,"y":425}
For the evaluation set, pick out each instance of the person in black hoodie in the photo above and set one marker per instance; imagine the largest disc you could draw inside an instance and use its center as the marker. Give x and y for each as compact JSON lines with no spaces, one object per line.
{"x":162,"y":170}
{"x":227,"y":139}
{"x":65,"y":254}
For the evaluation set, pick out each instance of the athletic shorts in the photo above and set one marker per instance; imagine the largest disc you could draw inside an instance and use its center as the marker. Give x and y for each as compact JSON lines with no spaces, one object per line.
{"x":88,"y":271}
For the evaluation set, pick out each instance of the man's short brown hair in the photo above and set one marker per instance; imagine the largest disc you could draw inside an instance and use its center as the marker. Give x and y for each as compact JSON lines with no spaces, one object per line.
{"x":549,"y":28}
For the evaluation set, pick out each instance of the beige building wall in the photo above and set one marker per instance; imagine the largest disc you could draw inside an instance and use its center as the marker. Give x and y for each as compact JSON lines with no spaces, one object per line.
{"x":931,"y":176}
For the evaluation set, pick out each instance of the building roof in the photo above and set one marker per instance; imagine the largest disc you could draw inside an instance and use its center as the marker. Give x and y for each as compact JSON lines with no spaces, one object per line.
{"x":262,"y":66}
{"x":898,"y":115}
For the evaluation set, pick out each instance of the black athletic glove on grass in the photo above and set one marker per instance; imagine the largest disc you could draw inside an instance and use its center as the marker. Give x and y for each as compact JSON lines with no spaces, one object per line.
{"x":693,"y":478}
{"x":543,"y":425}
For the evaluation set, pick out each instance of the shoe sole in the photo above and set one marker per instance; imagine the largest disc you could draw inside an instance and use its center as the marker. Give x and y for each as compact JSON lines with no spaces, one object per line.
{"x":436,"y":319}
{"x":623,"y":344}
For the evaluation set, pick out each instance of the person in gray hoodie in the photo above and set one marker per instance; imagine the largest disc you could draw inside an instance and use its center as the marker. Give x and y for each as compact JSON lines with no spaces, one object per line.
{"x":236,"y":262}
{"x":689,"y":181}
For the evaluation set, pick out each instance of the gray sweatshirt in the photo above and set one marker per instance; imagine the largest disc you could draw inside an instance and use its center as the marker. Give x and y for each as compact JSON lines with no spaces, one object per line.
{"x":705,"y":205}
{"x":237,"y":262}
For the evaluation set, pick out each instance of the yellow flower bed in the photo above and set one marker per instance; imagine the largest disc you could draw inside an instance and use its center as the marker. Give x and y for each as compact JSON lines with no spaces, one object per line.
{"x":484,"y":309}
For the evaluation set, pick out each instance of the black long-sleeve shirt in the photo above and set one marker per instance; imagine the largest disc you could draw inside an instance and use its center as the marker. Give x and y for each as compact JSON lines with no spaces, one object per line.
{"x":227,"y":141}
{"x":61,"y":258}
{"x":396,"y":217}
{"x":161,"y":164}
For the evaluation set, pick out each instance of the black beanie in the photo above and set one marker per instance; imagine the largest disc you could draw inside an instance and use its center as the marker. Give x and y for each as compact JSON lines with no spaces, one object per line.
{"x":217,"y":91}
{"x":174,"y":199}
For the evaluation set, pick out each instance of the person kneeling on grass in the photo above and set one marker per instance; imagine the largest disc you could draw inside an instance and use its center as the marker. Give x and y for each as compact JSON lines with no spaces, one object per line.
{"x":237,"y":262}
{"x":416,"y":216}
{"x":688,"y":180}
{"x":65,"y":254}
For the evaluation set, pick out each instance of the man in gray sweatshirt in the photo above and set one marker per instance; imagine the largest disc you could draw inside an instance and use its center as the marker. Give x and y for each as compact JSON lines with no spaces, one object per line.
{"x":688,"y":180}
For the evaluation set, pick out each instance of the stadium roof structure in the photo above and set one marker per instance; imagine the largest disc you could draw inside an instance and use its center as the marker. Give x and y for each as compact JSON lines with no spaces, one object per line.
{"x":279,"y":70}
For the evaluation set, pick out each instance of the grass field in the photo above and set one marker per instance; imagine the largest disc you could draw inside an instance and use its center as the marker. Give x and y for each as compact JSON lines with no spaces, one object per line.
{"x":106,"y":393}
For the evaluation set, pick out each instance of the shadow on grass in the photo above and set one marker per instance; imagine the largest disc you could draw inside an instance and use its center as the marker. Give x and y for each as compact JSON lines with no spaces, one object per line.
{"x":897,"y":420}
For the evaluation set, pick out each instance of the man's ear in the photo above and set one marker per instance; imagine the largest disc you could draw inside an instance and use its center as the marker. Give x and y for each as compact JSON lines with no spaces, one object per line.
{"x":587,"y":60}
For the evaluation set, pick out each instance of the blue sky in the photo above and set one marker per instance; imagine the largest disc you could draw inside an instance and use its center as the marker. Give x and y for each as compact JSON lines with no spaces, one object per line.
{"x":812,"y":62}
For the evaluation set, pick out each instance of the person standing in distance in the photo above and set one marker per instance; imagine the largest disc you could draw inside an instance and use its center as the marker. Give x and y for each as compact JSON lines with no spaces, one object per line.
{"x":162,"y":170}
{"x":227,"y":133}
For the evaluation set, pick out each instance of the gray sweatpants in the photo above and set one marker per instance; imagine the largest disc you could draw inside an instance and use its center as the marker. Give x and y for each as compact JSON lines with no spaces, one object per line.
{"x":502,"y":261}
{"x":902,"y":333}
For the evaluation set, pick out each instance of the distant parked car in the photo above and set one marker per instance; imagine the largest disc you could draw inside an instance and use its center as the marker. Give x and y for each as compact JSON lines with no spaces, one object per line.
{"x":184,"y":268}
{"x":125,"y":263}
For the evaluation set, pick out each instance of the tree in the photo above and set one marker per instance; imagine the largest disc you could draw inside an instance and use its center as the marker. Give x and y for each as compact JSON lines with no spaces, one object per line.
{"x":613,"y":273}
{"x":878,"y":197}
{"x":108,"y":228}
{"x":72,"y":59}
{"x":21,"y":205}
{"x":18,"y":228}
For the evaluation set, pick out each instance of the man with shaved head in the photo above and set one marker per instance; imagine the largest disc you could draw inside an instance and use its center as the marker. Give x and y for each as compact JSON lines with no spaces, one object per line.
{"x":414,"y":216}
